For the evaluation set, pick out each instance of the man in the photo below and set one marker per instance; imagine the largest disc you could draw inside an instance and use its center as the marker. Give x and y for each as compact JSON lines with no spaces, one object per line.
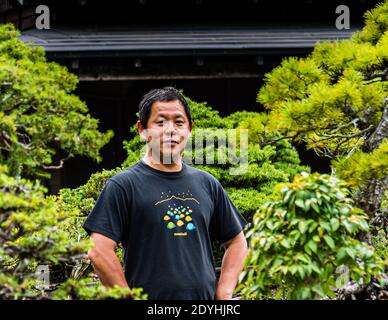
{"x":166,"y":215}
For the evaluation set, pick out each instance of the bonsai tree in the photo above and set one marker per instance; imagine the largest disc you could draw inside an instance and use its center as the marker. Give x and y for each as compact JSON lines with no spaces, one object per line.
{"x":335,"y":101}
{"x":39,"y":116}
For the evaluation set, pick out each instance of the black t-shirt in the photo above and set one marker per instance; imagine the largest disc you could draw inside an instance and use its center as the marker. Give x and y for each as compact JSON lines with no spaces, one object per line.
{"x":166,"y":222}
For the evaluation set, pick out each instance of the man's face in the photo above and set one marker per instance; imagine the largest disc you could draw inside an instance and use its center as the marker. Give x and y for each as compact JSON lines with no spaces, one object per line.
{"x":168,"y":129}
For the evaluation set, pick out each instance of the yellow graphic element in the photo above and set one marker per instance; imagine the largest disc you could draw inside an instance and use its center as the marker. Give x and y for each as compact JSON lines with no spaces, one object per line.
{"x":190,"y":210}
{"x":182,"y":215}
{"x":180,"y":223}
{"x":188,"y":218}
{"x":166,"y":218}
{"x":180,"y":234}
{"x":174,"y":197}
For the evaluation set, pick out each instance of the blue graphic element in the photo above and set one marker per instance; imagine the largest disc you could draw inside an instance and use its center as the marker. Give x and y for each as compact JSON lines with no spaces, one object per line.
{"x":190,"y":226}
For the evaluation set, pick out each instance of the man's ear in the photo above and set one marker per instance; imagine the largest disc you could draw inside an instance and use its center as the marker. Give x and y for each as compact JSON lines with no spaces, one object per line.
{"x":141,"y":131}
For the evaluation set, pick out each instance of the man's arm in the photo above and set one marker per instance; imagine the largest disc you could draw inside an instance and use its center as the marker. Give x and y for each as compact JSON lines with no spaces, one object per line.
{"x":232,"y":265}
{"x":105,"y":262}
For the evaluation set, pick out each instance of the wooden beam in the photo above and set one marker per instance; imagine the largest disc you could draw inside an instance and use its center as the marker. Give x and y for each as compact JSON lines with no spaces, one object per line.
{"x":220,"y":75}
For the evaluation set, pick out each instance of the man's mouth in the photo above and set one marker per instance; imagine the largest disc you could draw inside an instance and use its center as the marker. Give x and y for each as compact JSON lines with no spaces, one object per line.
{"x":170,"y":141}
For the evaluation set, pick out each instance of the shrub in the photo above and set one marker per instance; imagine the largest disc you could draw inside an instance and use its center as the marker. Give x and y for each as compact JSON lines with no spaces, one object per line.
{"x":40,"y":117}
{"x":35,"y":231}
{"x":300,"y":238}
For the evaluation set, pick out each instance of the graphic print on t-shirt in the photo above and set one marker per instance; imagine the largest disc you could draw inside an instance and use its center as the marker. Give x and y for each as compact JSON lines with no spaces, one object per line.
{"x":178,"y":216}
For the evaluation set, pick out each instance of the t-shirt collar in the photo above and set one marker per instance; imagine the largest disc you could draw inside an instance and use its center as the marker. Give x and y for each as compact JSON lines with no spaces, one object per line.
{"x":163,"y":173}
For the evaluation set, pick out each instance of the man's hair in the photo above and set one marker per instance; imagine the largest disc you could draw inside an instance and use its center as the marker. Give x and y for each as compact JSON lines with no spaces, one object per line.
{"x":165,"y":94}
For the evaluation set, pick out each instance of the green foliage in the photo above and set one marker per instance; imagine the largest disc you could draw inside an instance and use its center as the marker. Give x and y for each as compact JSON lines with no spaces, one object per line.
{"x":256,"y":124}
{"x":300,"y":238}
{"x":37,"y":230}
{"x":379,"y":231}
{"x":86,"y":289}
{"x":204,"y":116}
{"x":376,"y":24}
{"x":361,"y":166}
{"x":8,"y":32}
{"x":236,"y":119}
{"x":247,"y":200}
{"x":380,"y":243}
{"x":83,"y":198}
{"x":29,"y":219}
{"x":40,"y":118}
{"x":39,"y":115}
{"x":31,"y":235}
{"x":288,"y":82}
{"x":324,"y":116}
{"x":332,"y":99}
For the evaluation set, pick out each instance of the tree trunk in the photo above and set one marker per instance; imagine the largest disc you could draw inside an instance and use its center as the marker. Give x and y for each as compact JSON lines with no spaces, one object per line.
{"x":380,"y":133}
{"x":369,"y":197}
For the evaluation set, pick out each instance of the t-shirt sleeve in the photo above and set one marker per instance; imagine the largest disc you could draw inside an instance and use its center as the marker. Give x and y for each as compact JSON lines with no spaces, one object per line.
{"x":226,"y":221}
{"x":109,"y":215}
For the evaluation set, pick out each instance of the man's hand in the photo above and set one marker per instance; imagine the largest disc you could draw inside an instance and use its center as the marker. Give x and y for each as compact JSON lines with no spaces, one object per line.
{"x":105,"y":262}
{"x":232,"y":265}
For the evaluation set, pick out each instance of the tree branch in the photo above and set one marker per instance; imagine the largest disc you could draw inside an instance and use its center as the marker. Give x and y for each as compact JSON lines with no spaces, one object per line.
{"x":60,"y":165}
{"x":356,"y":134}
{"x":23,"y":145}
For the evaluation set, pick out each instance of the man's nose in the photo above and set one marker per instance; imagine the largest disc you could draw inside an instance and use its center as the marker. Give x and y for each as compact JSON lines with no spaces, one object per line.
{"x":169,"y":127}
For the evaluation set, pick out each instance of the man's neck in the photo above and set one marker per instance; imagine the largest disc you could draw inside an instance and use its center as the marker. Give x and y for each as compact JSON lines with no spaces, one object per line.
{"x":159,"y":165}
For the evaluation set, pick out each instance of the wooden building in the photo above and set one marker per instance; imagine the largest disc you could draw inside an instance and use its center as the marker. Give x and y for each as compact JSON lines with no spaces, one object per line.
{"x":216,"y":51}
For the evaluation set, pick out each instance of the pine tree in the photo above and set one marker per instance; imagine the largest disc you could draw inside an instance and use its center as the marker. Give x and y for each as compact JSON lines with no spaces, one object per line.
{"x":335,"y":101}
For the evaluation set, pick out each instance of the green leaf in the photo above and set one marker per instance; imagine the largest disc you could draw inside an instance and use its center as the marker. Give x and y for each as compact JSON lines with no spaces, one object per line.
{"x":313,"y":246}
{"x":325,"y":226}
{"x":293,"y":269}
{"x":302,"y":226}
{"x":334,"y":224}
{"x":299,"y":203}
{"x":301,"y":272}
{"x":277,"y":262}
{"x":303,"y":257}
{"x":285,"y":243}
{"x":315,"y":207}
{"x":351,"y":253}
{"x":323,"y":188}
{"x":313,"y":225}
{"x":316,"y":238}
{"x":330,"y":242}
{"x":315,"y":268}
{"x":341,"y":254}
{"x":350,"y":227}
{"x":305,"y":293}
{"x":269,"y":225}
{"x":288,"y":195}
{"x":317,"y":289}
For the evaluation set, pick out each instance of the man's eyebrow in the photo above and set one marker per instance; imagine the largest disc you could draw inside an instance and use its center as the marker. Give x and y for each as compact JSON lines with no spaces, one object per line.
{"x":163,"y":115}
